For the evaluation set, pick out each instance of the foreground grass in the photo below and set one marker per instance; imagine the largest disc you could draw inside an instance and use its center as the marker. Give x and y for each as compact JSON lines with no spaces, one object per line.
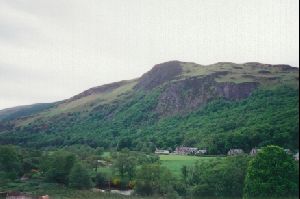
{"x":175,"y":162}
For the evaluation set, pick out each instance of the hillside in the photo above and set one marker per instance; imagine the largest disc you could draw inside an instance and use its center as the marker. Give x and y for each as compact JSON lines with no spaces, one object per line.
{"x":23,"y":111}
{"x":217,"y":107}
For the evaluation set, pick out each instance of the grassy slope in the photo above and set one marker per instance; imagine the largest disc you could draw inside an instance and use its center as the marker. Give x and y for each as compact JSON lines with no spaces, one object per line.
{"x":84,"y":104}
{"x":23,"y":111}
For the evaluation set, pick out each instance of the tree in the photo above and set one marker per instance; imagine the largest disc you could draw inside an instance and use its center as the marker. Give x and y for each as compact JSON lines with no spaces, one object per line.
{"x":231,"y":176}
{"x":153,"y":179}
{"x":271,"y":173}
{"x":221,"y":177}
{"x":10,"y":164}
{"x":125,"y":163}
{"x":184,"y":172}
{"x":58,"y":166}
{"x":79,"y":177}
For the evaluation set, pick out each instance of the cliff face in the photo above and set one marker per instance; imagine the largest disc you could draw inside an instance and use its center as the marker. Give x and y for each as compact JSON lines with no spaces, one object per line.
{"x":185,"y":95}
{"x":186,"y":86}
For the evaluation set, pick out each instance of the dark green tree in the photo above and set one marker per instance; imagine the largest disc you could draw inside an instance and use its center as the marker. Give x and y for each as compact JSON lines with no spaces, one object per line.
{"x":58,"y":165}
{"x":272,"y":173}
{"x":184,"y":173}
{"x":10,"y":164}
{"x":79,"y":177}
{"x":100,"y":180}
{"x":153,"y":179}
{"x":125,"y":164}
{"x":223,"y":177}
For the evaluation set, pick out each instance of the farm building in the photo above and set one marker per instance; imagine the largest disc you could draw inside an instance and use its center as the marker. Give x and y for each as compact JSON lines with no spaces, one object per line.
{"x":254,"y":151}
{"x":186,"y":151}
{"x":162,"y":152}
{"x":233,"y":152}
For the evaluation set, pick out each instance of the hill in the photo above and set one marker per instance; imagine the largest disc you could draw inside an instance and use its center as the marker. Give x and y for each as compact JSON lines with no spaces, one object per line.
{"x":219,"y":106}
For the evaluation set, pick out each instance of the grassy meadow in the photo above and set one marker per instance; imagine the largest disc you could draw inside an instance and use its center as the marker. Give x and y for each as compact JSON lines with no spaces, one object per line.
{"x":175,"y":162}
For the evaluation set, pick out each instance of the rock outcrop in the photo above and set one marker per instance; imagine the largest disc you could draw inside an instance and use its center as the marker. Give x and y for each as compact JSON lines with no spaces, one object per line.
{"x":160,"y":74}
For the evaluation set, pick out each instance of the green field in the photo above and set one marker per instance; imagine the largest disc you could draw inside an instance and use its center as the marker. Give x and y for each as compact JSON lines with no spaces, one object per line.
{"x":175,"y":162}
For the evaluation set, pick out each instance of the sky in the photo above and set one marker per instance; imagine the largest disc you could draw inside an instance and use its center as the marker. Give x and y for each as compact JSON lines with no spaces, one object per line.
{"x":53,"y":49}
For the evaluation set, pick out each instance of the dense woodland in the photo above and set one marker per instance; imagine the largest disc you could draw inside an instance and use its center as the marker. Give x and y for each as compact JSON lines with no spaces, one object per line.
{"x":268,"y":116}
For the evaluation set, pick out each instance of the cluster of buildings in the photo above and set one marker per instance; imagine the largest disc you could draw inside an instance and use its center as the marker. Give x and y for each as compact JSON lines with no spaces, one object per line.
{"x":199,"y":152}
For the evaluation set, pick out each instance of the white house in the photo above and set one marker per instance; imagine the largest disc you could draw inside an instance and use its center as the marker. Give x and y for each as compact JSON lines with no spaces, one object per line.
{"x":233,"y":152}
{"x":296,"y":156}
{"x":201,"y":152}
{"x":254,"y":151}
{"x":162,"y":152}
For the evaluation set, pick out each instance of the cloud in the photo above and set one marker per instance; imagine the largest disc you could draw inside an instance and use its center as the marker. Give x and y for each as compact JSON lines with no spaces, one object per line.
{"x":53,"y":49}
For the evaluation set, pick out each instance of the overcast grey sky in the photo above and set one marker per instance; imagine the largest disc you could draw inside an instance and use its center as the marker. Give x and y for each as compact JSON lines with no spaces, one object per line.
{"x":53,"y":49}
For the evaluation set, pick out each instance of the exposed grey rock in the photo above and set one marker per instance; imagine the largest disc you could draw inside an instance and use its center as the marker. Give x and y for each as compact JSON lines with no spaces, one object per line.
{"x":188,"y":94}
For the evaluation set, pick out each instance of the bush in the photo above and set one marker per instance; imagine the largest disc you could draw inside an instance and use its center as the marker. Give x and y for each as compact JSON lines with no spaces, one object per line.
{"x":116,"y":182}
{"x":100,"y":180}
{"x":203,"y":190}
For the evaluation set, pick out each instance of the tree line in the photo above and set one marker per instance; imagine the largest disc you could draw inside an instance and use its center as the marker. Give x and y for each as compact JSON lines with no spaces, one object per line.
{"x":272,"y":172}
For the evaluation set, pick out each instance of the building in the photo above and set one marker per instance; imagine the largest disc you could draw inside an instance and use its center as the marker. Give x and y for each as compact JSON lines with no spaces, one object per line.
{"x":186,"y":151}
{"x":254,"y":151}
{"x":288,"y":151}
{"x":296,"y":156}
{"x":233,"y":152}
{"x":162,"y":152}
{"x":201,"y":152}
{"x":17,"y":195}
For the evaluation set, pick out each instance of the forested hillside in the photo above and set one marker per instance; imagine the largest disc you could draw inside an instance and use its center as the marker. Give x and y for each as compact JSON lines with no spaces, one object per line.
{"x":217,"y":107}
